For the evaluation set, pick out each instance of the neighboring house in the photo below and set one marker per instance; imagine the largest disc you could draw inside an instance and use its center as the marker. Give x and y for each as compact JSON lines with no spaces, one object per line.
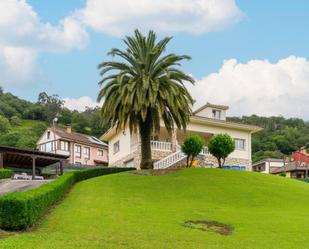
{"x":294,"y":169}
{"x":124,"y":147}
{"x":82,"y":149}
{"x":267,"y":165}
{"x":298,"y":166}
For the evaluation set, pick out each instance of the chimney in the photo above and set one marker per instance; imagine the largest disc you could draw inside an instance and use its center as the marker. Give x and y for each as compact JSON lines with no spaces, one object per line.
{"x":69,"y":129}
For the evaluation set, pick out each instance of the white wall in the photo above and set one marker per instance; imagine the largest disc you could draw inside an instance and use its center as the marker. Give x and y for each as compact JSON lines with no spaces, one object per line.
{"x":124,"y":139}
{"x":207,"y":113}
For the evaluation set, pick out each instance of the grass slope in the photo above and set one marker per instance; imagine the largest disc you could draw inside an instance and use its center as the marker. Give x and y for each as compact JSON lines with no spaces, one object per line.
{"x":133,"y":211}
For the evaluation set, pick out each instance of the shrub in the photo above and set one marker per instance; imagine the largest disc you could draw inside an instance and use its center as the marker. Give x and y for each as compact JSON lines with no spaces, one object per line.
{"x":220,"y":146}
{"x":21,"y":210}
{"x":4,"y":124}
{"x":282,"y":174}
{"x":5,"y":173}
{"x":192,"y":146}
{"x":15,"y":120}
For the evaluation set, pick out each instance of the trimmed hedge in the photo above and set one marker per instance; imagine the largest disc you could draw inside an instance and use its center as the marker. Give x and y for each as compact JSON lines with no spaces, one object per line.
{"x":5,"y":173}
{"x":21,"y":210}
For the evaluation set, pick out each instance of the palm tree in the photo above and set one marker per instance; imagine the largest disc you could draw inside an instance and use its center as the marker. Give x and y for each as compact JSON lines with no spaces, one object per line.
{"x":144,"y":87}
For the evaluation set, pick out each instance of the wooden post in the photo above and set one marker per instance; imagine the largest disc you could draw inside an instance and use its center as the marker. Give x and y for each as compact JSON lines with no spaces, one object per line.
{"x":61,"y":167}
{"x":1,"y":160}
{"x":33,"y":167}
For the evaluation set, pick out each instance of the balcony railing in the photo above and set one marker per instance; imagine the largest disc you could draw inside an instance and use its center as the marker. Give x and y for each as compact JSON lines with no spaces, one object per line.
{"x":155,"y":145}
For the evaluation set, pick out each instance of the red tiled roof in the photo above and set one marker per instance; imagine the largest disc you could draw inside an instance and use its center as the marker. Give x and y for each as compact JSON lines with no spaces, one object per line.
{"x":78,"y":137}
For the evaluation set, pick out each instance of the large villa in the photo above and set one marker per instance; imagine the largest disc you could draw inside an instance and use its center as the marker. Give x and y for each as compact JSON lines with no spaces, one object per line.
{"x":125,"y":150}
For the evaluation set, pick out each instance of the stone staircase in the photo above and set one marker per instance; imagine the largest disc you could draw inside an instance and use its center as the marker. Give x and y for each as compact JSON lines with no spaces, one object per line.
{"x":174,"y":159}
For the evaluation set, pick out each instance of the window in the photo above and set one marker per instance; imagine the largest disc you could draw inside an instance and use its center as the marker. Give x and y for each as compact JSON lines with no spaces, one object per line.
{"x":48,"y":135}
{"x":64,"y":146}
{"x":100,"y":152}
{"x":87,"y":152}
{"x":239,"y":144}
{"x":216,"y":114}
{"x":78,"y":150}
{"x":116,"y":147}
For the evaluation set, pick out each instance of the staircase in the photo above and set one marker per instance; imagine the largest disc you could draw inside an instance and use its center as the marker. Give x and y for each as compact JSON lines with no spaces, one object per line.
{"x":174,"y":158}
{"x":170,"y":160}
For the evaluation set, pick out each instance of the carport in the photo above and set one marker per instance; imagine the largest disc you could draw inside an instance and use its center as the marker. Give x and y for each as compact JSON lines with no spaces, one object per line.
{"x":21,"y":158}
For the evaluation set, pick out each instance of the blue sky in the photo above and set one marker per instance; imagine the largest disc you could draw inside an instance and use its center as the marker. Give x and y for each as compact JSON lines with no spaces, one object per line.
{"x":264,"y":44}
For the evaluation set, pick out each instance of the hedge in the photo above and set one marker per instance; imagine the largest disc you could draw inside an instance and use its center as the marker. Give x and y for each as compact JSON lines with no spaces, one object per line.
{"x":21,"y":210}
{"x":5,"y":173}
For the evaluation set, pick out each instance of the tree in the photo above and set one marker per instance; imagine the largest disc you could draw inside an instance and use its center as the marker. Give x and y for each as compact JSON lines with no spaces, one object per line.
{"x":144,"y":87}
{"x":4,"y":124}
{"x":15,"y":120}
{"x":52,"y":105}
{"x":192,"y":146}
{"x":220,"y":146}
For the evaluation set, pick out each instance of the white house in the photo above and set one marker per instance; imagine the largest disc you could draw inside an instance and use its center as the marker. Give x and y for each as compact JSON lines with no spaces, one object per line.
{"x":124,"y":148}
{"x":81,"y":149}
{"x":268,"y":165}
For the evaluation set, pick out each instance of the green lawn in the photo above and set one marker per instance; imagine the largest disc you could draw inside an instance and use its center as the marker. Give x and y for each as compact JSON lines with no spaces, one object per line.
{"x":133,"y":211}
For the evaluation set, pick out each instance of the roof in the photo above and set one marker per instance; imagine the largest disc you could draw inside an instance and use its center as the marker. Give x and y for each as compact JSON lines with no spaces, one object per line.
{"x":224,"y":123}
{"x":22,"y":158}
{"x":221,"y":107}
{"x":268,"y":160}
{"x":78,"y":137}
{"x":291,"y":166}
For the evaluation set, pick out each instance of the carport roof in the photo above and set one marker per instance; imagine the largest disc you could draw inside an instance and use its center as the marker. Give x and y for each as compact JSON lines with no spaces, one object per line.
{"x":17,"y":157}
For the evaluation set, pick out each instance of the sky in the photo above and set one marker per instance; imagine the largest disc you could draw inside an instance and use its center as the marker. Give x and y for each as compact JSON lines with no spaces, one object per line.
{"x":250,"y":55}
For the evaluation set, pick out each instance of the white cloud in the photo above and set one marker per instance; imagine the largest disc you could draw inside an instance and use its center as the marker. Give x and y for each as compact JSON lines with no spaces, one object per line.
{"x":79,"y":104}
{"x":23,"y":36}
{"x":194,"y":16}
{"x":258,"y":87}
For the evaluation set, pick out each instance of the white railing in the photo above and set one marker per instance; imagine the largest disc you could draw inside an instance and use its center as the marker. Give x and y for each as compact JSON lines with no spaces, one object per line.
{"x":169,"y":160}
{"x":204,"y":151}
{"x":162,"y":146}
{"x":155,"y":145}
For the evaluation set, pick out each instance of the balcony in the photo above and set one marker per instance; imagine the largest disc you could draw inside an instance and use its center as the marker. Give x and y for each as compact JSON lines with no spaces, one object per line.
{"x":155,"y":145}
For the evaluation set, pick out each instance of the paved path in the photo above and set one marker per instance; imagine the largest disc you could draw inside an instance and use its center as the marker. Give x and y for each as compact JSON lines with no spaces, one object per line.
{"x":7,"y":186}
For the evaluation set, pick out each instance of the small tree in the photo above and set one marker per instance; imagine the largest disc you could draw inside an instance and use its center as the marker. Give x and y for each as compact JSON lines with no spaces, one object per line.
{"x":16,"y":121}
{"x":192,"y":146}
{"x":4,"y":124}
{"x":220,"y":146}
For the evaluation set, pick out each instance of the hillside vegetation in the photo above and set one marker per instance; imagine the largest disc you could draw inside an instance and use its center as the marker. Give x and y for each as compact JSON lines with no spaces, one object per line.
{"x":129,"y":210}
{"x":23,"y":122}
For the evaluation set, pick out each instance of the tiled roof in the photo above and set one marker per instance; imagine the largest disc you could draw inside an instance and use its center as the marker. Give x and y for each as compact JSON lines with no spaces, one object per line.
{"x":221,"y":107}
{"x":78,"y":137}
{"x":291,"y":166}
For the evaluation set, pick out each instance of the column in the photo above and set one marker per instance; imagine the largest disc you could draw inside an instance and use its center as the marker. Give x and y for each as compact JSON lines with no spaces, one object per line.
{"x":174,"y":139}
{"x":33,"y":167}
{"x":1,"y":160}
{"x":61,"y":167}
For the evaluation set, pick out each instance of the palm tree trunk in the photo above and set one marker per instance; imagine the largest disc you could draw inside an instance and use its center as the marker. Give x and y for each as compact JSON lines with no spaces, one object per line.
{"x":145,"y":133}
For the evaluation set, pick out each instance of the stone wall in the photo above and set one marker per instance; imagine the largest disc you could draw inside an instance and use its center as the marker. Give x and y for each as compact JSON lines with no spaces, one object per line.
{"x":204,"y":161}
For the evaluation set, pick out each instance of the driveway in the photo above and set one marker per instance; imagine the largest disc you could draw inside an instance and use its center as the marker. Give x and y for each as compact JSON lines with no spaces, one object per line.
{"x":7,"y":186}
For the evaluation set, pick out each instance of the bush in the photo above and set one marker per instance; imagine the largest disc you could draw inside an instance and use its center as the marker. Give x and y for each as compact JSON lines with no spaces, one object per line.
{"x":192,"y":146}
{"x":282,"y":174}
{"x":21,"y":210}
{"x":220,"y":146}
{"x":5,"y":173}
{"x":16,"y":121}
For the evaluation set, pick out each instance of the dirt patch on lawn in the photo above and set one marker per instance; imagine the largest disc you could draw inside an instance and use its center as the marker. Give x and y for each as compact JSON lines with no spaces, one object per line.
{"x":154,"y":172}
{"x":5,"y":234}
{"x":210,"y":226}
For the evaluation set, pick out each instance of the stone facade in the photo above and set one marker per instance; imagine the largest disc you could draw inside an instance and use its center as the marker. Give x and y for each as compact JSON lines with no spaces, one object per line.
{"x":208,"y":161}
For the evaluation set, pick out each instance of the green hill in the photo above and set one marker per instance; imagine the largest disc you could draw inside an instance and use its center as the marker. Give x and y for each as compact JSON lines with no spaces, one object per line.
{"x":134,"y":211}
